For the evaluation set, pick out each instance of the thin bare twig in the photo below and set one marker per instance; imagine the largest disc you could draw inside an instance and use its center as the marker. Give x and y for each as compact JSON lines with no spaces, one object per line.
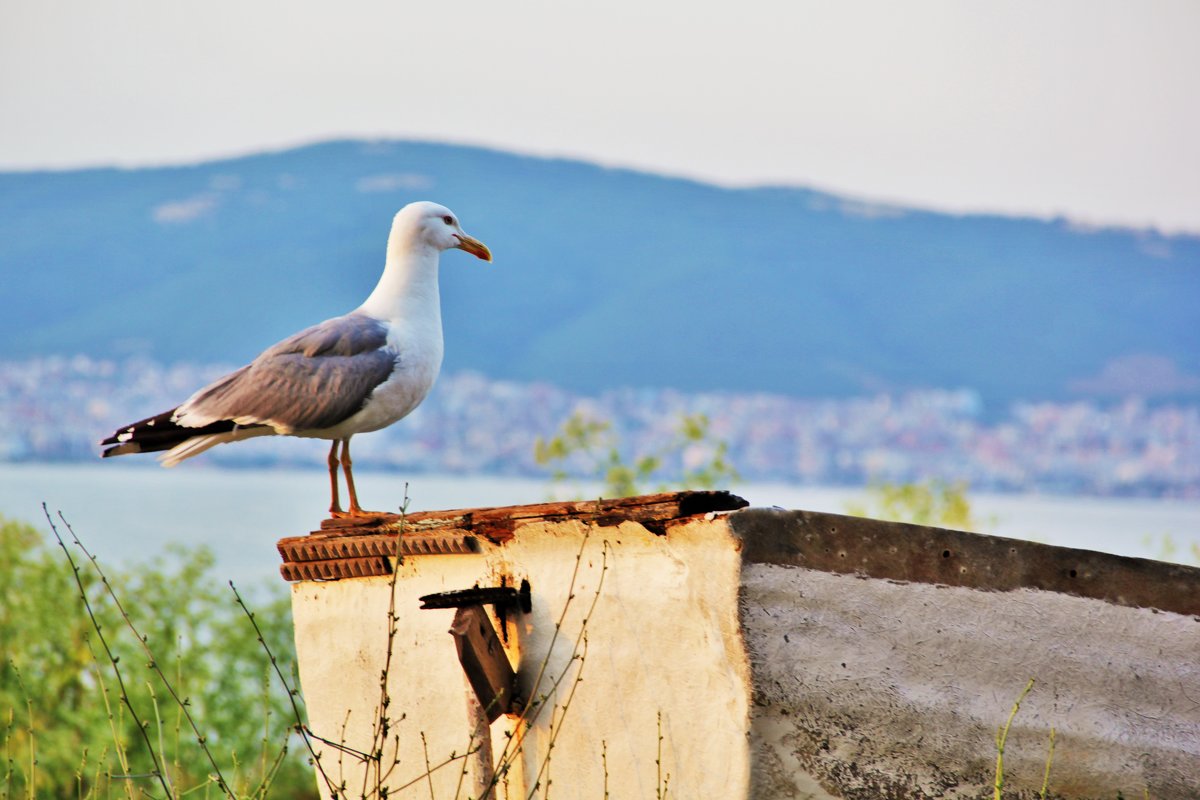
{"x":182,"y":703}
{"x":515,"y":743}
{"x":113,"y":659}
{"x":534,"y":706}
{"x":292,"y":693}
{"x":428,"y":769}
{"x":158,"y":724}
{"x":660,"y":783}
{"x":604,"y":764}
{"x":118,"y":745}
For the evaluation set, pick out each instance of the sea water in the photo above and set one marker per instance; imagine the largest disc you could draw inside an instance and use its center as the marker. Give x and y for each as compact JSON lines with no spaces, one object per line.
{"x":130,"y":512}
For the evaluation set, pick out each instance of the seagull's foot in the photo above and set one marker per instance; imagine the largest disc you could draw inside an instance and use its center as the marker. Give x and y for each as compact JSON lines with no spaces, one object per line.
{"x":356,"y":513}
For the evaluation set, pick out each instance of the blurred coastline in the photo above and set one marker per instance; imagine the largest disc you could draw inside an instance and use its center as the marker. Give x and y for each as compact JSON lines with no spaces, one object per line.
{"x":55,"y":409}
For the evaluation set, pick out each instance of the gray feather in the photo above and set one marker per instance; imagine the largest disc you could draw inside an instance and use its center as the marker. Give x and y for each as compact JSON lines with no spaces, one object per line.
{"x":312,"y":380}
{"x":351,"y":335}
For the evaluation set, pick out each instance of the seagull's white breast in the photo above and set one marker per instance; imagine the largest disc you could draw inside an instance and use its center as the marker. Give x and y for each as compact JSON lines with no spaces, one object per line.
{"x":418,"y":352}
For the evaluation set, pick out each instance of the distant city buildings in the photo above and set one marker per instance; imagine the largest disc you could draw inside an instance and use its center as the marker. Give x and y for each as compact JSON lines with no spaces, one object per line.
{"x":57,"y":408}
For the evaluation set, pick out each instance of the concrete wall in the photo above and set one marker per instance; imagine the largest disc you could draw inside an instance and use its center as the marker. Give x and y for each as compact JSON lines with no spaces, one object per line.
{"x":876,"y":689}
{"x":778,"y":654}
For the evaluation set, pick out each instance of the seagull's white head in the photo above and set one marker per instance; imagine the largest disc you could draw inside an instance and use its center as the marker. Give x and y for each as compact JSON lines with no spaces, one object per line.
{"x":435,"y":226}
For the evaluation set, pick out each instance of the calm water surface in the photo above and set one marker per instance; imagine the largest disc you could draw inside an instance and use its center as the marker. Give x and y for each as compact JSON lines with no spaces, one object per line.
{"x":129,"y":512}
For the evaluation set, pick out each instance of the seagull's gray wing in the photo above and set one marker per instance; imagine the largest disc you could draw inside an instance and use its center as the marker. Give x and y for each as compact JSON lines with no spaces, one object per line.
{"x":312,"y":380}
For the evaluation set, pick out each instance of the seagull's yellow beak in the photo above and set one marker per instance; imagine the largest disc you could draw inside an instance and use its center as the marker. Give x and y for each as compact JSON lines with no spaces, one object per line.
{"x":473,"y":246}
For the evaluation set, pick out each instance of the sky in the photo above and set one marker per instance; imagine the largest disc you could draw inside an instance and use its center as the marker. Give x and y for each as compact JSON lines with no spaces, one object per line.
{"x":1088,"y":109}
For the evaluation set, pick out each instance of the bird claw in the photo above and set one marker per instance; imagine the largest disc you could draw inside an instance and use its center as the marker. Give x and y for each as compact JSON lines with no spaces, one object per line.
{"x":355,"y":513}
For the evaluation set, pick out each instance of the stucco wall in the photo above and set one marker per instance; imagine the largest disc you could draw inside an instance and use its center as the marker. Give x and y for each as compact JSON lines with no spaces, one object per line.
{"x":662,"y":638}
{"x":341,"y":642}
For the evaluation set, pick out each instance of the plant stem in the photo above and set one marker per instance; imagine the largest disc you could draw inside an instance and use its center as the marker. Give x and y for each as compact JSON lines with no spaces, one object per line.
{"x":1002,"y":738}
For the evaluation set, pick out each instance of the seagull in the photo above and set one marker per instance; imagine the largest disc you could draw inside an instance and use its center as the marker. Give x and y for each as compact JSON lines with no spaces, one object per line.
{"x":351,"y":374}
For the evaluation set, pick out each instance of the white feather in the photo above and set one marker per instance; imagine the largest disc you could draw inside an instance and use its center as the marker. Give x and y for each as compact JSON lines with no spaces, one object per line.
{"x":198,"y":444}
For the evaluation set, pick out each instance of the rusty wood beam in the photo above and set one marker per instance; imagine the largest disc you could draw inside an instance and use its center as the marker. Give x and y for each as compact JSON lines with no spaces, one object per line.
{"x":499,"y":523}
{"x":356,"y":540}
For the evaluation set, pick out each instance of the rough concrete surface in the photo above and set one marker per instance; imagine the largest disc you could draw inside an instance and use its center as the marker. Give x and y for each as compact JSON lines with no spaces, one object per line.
{"x":761,"y":653}
{"x":868,"y":688}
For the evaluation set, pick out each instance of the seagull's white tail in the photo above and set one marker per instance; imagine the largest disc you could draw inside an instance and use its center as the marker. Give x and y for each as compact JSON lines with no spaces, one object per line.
{"x":198,"y":444}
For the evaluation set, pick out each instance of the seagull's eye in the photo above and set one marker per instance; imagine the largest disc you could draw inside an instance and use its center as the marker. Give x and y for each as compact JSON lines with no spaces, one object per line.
{"x":448,"y":220}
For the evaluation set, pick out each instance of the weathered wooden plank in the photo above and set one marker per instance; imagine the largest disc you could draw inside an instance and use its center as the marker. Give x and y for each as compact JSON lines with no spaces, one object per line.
{"x":356,"y":540}
{"x":483,"y":660}
{"x":502,"y":519}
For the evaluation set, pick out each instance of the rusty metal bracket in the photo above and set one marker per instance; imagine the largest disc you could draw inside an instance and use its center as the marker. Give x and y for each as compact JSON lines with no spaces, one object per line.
{"x":503,"y":598}
{"x":480,"y":652}
{"x":499,"y":596}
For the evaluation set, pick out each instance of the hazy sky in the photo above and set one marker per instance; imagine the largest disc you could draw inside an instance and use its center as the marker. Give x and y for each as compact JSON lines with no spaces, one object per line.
{"x":1088,"y":108}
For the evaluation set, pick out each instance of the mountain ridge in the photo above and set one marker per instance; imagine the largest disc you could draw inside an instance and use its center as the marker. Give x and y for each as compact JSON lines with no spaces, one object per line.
{"x":604,"y":276}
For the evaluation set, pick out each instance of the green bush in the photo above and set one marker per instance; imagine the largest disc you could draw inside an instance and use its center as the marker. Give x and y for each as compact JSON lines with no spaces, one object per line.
{"x":64,"y":730}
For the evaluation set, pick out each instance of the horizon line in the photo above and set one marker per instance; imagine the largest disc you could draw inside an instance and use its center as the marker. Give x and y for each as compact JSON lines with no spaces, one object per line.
{"x":1083,"y":223}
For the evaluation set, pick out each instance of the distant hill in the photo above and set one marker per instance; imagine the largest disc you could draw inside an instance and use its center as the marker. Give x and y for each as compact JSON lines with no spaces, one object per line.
{"x":602,"y":277}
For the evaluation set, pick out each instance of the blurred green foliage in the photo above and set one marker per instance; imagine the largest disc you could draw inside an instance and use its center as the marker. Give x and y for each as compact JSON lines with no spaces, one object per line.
{"x":935,"y":502}
{"x":64,"y":731}
{"x":1165,"y":548}
{"x":590,"y":447}
{"x":946,"y":505}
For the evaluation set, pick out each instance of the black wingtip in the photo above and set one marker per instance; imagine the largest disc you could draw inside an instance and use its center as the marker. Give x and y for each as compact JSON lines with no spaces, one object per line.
{"x":158,"y":433}
{"x":123,"y":449}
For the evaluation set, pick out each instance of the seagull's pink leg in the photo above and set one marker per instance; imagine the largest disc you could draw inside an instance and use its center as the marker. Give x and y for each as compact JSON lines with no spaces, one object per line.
{"x":335,"y":507}
{"x":355,"y":508}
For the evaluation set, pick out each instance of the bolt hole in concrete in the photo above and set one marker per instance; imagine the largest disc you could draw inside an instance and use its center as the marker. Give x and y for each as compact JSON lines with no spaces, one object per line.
{"x":945,"y":554}
{"x":1072,"y":573}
